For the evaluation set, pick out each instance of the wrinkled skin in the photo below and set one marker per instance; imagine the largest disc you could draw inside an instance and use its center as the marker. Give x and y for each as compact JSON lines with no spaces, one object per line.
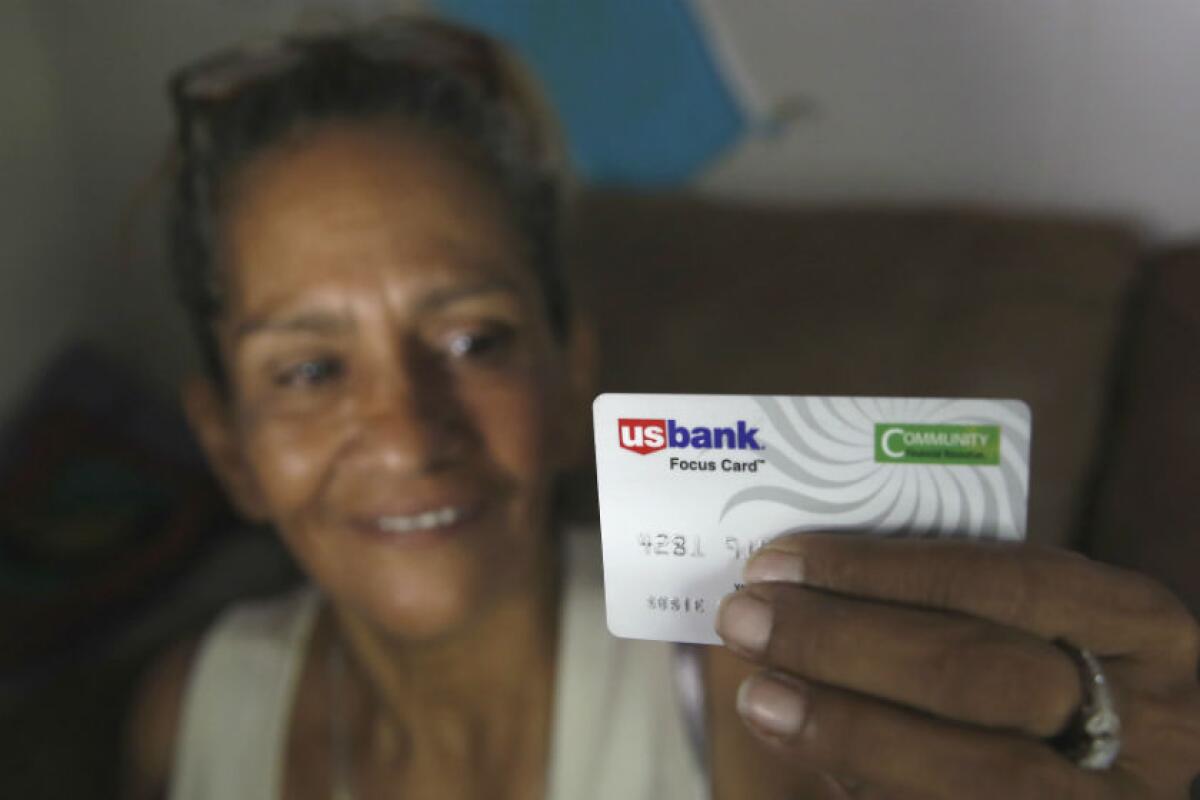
{"x":389,"y":354}
{"x":929,"y":669}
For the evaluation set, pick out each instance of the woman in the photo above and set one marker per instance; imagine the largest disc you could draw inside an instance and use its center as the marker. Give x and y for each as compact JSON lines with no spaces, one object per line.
{"x":365,"y":231}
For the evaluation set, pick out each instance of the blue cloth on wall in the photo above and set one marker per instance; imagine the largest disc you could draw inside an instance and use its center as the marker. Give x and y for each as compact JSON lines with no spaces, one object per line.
{"x":639,"y":92}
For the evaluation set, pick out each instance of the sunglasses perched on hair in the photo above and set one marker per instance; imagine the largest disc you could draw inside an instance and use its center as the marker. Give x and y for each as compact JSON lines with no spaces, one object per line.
{"x":422,"y":43}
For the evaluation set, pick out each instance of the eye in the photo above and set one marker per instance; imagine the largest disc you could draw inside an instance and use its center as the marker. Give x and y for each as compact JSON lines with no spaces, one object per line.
{"x":489,"y":341}
{"x":310,"y":373}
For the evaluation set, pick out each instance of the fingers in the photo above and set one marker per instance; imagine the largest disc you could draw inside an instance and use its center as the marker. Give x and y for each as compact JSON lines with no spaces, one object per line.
{"x":935,"y":659}
{"x":1161,"y":733}
{"x":1052,"y":593}
{"x":946,"y":664}
{"x":903,"y":754}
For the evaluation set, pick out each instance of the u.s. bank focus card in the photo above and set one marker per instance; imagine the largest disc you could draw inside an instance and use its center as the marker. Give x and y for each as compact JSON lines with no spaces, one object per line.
{"x":691,"y":485}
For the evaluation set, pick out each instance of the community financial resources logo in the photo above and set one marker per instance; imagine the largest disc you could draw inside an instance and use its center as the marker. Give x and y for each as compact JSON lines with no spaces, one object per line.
{"x":897,"y":443}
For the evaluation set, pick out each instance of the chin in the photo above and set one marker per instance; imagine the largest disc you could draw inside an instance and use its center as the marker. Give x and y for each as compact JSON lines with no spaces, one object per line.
{"x":421,"y":595}
{"x":422,"y":585}
{"x":427,"y":607}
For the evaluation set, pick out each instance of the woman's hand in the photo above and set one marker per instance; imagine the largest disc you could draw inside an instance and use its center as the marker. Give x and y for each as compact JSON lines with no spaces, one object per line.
{"x":928,"y":668}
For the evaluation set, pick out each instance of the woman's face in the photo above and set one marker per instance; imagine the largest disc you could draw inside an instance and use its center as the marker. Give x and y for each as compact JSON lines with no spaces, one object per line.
{"x":397,"y":399}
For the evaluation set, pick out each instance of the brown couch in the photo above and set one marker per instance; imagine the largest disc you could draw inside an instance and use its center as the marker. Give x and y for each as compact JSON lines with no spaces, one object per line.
{"x":693,"y":295}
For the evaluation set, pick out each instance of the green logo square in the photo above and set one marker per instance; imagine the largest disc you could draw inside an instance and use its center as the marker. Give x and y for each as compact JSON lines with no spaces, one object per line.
{"x":903,"y":443}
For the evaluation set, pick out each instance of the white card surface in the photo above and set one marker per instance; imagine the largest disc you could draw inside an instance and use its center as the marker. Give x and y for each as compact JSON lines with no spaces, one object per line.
{"x":691,"y":485}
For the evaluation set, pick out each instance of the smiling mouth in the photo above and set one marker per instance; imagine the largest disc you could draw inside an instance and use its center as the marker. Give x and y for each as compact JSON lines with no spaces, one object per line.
{"x":436,"y":519}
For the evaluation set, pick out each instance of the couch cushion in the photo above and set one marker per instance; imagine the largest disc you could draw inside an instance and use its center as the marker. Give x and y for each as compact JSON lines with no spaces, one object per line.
{"x":692,"y":295}
{"x":1146,"y":514}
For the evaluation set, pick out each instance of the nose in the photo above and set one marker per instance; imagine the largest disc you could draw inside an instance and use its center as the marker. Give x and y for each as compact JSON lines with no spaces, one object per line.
{"x":408,"y":420}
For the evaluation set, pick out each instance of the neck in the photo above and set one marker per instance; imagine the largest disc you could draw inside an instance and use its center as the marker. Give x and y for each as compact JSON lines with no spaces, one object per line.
{"x":475,"y":694}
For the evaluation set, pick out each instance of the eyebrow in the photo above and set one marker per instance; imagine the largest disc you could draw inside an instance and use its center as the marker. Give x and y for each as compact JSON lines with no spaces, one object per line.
{"x":328,"y":324}
{"x":318,"y":322}
{"x":439,"y":298}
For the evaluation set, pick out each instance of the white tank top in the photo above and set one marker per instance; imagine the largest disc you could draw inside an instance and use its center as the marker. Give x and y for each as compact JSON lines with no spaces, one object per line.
{"x":626,"y":716}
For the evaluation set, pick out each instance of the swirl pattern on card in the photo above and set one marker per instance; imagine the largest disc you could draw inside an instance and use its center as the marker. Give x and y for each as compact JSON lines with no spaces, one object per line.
{"x":828,"y":448}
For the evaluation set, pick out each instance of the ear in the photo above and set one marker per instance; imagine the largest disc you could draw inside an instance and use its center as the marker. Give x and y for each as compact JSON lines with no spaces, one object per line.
{"x":211,"y":420}
{"x":581,"y":354}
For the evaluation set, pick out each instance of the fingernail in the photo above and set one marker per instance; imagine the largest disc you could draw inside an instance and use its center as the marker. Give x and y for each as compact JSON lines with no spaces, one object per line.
{"x":770,"y":706}
{"x":744,"y":622}
{"x":774,"y":565}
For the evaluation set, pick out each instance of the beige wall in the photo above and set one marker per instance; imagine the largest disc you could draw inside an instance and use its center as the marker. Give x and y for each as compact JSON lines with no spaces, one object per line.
{"x":1087,"y":105}
{"x":40,"y":301}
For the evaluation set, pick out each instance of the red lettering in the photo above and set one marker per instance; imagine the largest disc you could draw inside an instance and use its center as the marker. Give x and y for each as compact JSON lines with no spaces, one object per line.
{"x":642,"y":435}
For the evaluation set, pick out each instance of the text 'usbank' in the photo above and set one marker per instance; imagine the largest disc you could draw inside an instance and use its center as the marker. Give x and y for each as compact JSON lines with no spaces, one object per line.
{"x":646,"y":436}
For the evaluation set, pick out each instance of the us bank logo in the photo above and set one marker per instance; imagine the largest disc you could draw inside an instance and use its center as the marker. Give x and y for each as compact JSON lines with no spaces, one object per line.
{"x":899,"y":443}
{"x":645,"y":436}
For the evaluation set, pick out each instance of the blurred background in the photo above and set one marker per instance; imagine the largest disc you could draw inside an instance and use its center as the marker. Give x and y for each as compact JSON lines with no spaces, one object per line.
{"x":1041,"y":152}
{"x":1085,"y":105}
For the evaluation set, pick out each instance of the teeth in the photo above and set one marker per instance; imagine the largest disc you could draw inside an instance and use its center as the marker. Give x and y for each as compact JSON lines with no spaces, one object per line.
{"x":439,"y":518}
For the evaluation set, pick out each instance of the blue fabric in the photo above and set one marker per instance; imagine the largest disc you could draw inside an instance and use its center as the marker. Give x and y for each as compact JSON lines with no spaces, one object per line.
{"x":641,"y":98}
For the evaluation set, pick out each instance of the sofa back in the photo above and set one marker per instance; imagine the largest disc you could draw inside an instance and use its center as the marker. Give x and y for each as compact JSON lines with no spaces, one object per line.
{"x":694,"y":295}
{"x":1147,"y":509}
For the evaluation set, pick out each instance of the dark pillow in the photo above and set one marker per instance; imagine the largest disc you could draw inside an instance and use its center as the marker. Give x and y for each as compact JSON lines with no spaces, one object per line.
{"x":103,"y":500}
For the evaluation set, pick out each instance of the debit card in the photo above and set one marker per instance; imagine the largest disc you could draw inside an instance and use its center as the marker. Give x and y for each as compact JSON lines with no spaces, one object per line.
{"x":691,"y":485}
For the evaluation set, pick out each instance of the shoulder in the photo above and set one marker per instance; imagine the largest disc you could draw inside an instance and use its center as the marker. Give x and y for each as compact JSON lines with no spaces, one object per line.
{"x":153,"y":722}
{"x":245,"y":639}
{"x":582,"y":561}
